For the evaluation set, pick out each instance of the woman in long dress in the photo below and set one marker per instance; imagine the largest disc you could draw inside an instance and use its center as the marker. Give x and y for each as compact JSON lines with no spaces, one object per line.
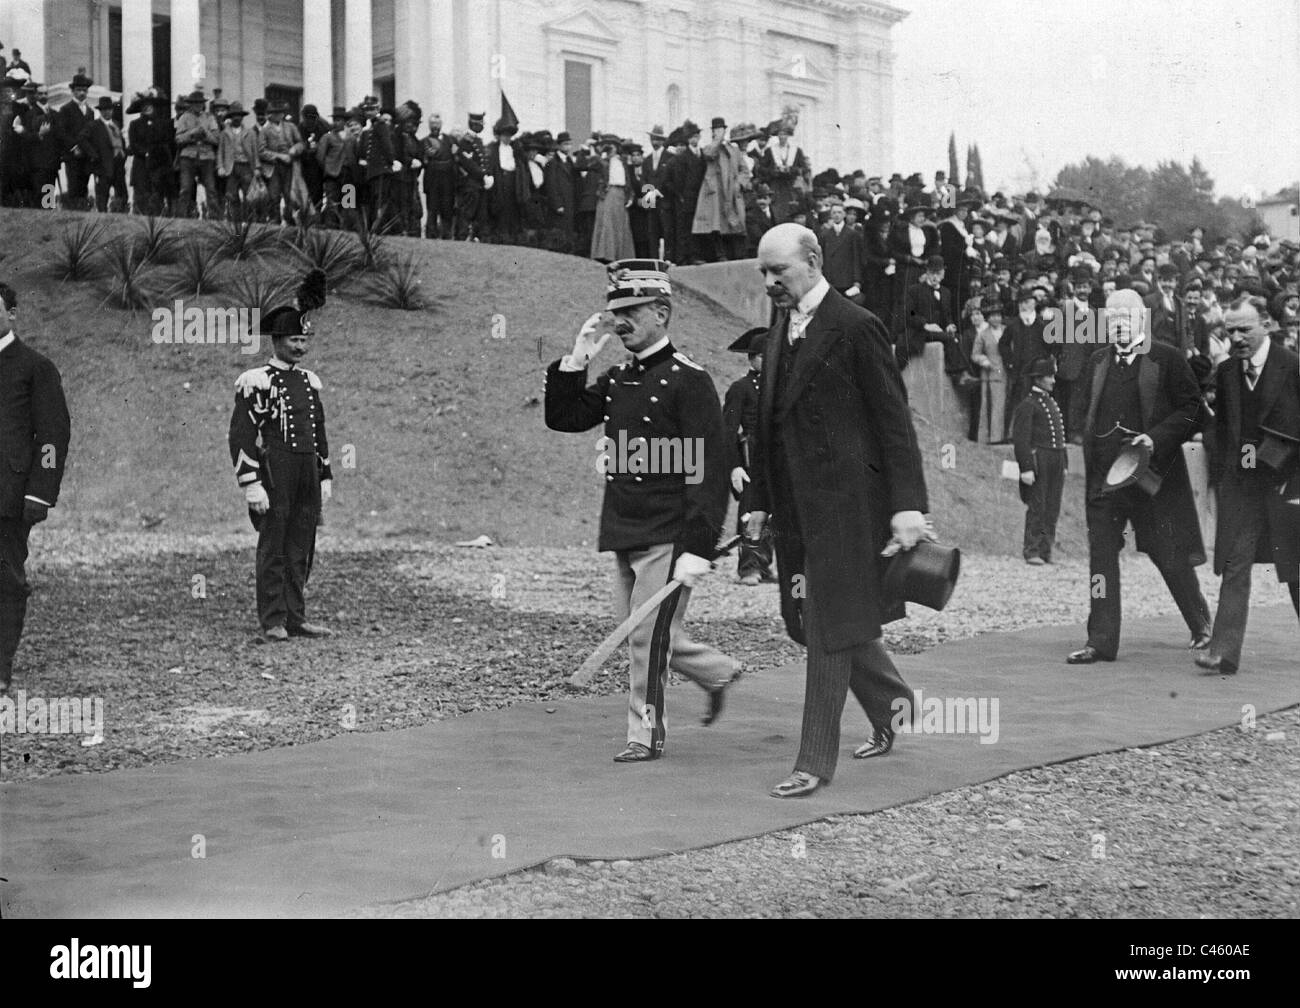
{"x":611,"y":239}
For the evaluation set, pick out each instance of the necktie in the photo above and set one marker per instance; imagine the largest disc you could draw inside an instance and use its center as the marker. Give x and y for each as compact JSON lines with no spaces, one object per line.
{"x":1252,"y":375}
{"x":798,"y":325}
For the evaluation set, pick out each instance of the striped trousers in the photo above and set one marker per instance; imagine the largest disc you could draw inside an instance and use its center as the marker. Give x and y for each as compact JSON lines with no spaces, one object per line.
{"x":659,"y":643}
{"x":867,"y":670}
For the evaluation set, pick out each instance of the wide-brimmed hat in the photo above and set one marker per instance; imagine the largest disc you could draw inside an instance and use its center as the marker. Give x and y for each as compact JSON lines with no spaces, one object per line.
{"x":80,"y":80}
{"x":925,"y":574}
{"x":236,"y":111}
{"x":657,"y":133}
{"x":196,"y":98}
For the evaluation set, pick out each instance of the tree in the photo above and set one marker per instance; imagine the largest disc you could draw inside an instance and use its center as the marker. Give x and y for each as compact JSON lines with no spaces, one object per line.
{"x":954,"y":176}
{"x":1119,"y":190}
{"x":974,"y":168}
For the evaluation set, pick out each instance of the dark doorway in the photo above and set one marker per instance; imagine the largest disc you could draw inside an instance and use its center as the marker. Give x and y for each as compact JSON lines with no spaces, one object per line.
{"x":162,"y":56}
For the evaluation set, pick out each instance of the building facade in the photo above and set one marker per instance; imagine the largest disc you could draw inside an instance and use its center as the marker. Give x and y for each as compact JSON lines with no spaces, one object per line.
{"x":612,"y":65}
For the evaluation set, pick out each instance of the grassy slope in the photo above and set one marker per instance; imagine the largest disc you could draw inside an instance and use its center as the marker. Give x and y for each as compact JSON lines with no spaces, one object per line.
{"x":446,"y":442}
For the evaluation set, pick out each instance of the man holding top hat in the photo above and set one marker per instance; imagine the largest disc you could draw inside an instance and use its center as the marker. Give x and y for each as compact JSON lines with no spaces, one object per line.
{"x":281,"y":458}
{"x":661,"y":521}
{"x":1255,"y":464}
{"x":740,"y":418}
{"x":1143,"y":403}
{"x":836,"y":464}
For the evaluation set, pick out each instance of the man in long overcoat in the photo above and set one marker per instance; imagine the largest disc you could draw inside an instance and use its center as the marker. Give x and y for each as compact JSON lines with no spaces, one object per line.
{"x":835,"y":462}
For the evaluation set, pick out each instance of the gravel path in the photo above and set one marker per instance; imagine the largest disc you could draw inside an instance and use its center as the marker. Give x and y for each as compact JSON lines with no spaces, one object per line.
{"x":1204,"y":826}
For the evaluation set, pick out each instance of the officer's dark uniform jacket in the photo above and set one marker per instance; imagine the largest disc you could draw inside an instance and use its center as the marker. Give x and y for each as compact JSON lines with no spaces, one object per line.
{"x":1037,"y":424}
{"x":281,"y":402}
{"x":666,"y":395}
{"x":740,"y":414}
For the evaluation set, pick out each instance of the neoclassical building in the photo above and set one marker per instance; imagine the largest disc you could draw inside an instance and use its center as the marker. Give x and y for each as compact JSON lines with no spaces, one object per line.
{"x":616,"y":65}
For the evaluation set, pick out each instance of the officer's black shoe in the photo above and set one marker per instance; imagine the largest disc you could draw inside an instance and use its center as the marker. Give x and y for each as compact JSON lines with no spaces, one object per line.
{"x":716,"y":698}
{"x":1086,"y":655}
{"x":635,"y":753}
{"x":309,"y":630}
{"x":1201,"y":639}
{"x":1216,"y":664}
{"x":275,"y":634}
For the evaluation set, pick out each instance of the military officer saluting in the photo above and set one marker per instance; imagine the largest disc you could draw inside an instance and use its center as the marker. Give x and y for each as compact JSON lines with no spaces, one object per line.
{"x":664,"y":455}
{"x":287,"y":476}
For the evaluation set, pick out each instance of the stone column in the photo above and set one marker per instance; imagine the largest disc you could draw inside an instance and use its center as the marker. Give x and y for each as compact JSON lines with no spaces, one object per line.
{"x":318,"y":56}
{"x":188,"y":63}
{"x":358,"y":52}
{"x":439,"y":51}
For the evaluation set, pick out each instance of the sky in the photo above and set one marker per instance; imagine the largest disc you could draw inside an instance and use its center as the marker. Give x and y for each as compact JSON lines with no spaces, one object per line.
{"x":1041,"y":85}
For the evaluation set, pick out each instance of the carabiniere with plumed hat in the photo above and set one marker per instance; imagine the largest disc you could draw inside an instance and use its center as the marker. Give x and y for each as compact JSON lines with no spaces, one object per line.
{"x":281,"y":458}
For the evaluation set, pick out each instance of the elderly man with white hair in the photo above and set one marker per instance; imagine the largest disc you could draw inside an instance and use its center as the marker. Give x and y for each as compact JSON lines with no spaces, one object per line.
{"x":836,"y":463}
{"x":1140,"y":392}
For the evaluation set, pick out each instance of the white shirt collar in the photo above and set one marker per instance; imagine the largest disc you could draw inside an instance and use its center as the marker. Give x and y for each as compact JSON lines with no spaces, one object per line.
{"x":652,"y":349}
{"x":810,"y":301}
{"x":6,"y":339}
{"x":275,"y":362}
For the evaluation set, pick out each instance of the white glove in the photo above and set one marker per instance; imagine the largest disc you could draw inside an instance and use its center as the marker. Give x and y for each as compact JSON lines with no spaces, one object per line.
{"x":738,"y":479}
{"x":18,"y":125}
{"x":488,"y":182}
{"x":908,"y":528}
{"x":1144,"y":439}
{"x":690,"y":568}
{"x":258,"y":502}
{"x":326,"y":490}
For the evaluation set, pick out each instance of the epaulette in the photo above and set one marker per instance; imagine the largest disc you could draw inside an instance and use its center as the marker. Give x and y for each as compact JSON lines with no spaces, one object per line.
{"x":254,"y":378}
{"x":686,"y":360}
{"x":312,"y":379}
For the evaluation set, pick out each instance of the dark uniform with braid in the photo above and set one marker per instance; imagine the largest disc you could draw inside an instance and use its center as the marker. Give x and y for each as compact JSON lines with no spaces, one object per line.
{"x":1038,"y":433}
{"x":278,"y":440}
{"x":740,"y":418}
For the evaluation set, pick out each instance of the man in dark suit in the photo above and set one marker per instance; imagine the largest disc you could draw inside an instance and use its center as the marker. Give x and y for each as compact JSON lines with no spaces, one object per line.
{"x":1169,"y":323}
{"x":685,"y":175}
{"x":72,"y":123}
{"x":843,"y":254}
{"x":652,"y":172}
{"x":1145,"y":392}
{"x":377,"y":161}
{"x":439,"y":181}
{"x":837,"y":466}
{"x":562,"y":191}
{"x":759,"y":218}
{"x":1021,"y":344}
{"x":108,"y":158}
{"x":34,"y":435}
{"x":1255,"y":464}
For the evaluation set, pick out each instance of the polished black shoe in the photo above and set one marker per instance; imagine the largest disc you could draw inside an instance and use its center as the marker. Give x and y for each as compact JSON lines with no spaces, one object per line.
{"x":1215,"y":664}
{"x":881,"y":741}
{"x":1086,"y":655}
{"x":274,"y":634}
{"x":797,"y":785}
{"x":635,"y":753}
{"x":1200,"y":640}
{"x":716,"y":699}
